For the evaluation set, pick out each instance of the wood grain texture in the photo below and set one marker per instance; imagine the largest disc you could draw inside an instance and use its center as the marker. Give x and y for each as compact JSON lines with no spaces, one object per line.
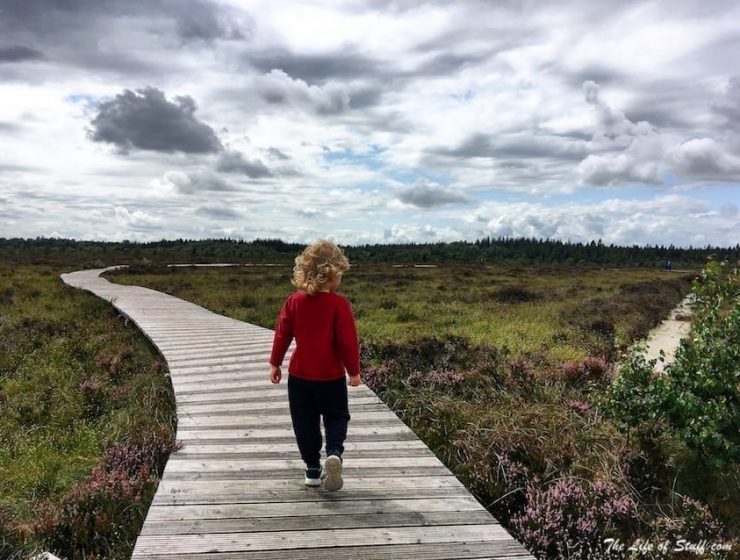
{"x":235,"y":489}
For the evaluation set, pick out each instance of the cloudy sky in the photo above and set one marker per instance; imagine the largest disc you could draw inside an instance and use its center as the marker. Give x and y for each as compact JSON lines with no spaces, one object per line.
{"x":371,"y":121}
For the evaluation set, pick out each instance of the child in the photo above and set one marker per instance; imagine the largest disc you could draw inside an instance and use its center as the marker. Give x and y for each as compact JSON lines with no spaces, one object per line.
{"x":324,"y":329}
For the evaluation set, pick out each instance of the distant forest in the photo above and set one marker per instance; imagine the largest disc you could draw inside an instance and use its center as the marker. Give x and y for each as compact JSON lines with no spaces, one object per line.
{"x":488,"y":251}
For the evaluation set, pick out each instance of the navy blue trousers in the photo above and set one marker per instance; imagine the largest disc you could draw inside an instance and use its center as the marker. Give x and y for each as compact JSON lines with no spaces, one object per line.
{"x":309,"y":402}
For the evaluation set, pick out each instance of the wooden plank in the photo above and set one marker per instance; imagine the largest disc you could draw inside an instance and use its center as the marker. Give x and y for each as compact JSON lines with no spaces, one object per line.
{"x":349,"y":446}
{"x":506,"y":550}
{"x":359,"y":403}
{"x":311,"y":522}
{"x":354,"y":431}
{"x":315,"y":507}
{"x":270,"y":485}
{"x":187,"y":421}
{"x":237,"y":542}
{"x":301,"y":495}
{"x":179,"y":464}
{"x":351,"y":471}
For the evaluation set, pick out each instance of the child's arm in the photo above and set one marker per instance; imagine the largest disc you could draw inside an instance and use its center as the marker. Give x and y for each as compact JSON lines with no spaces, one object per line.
{"x":281,"y":341}
{"x":349,"y":347}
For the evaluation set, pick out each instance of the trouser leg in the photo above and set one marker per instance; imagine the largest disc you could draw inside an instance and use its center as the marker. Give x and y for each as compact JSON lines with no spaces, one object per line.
{"x":306,"y":417}
{"x":335,"y":410}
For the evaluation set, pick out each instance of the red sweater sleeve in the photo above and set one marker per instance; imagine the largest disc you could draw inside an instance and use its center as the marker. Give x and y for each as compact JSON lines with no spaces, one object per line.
{"x":345,"y":333}
{"x":283,"y":334}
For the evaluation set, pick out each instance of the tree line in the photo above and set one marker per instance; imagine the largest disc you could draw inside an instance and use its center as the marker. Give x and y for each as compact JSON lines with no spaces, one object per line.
{"x":482,"y":251}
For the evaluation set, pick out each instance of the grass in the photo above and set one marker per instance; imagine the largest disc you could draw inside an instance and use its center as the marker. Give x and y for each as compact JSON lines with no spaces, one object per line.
{"x":73,"y":383}
{"x":482,"y":305}
{"x":498,"y":369}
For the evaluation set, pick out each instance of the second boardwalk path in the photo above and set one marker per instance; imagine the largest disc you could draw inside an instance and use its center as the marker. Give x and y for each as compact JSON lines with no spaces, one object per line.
{"x":235,"y":489}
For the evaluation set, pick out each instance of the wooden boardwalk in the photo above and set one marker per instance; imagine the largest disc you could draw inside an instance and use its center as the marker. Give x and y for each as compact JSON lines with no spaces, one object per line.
{"x":236,"y":488}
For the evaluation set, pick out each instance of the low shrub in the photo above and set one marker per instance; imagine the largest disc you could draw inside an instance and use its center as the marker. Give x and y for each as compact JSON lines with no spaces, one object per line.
{"x":107,"y":508}
{"x":515,"y":294}
{"x":590,"y":369}
{"x":570,"y":519}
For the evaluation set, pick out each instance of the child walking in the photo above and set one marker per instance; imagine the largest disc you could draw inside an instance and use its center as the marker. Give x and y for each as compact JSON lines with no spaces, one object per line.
{"x":324,"y":329}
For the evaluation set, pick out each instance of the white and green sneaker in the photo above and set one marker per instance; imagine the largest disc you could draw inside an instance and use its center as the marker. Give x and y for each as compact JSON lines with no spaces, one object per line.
{"x":333,"y":470}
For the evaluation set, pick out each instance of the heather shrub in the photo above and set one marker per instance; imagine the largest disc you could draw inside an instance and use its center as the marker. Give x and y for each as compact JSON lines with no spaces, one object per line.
{"x":515,"y":294}
{"x":521,"y":372}
{"x":106,"y":508}
{"x":571,"y":519}
{"x":447,"y":366}
{"x":691,"y":520}
{"x":446,"y":353}
{"x":590,"y":369}
{"x":93,"y":398}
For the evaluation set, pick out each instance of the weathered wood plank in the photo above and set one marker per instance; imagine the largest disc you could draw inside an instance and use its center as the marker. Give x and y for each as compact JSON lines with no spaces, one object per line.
{"x":306,"y":495}
{"x":461,"y":551}
{"x":377,"y":485}
{"x":350,"y":447}
{"x":254,"y":434}
{"x":312,"y":522}
{"x":237,"y":542}
{"x":315,"y":507}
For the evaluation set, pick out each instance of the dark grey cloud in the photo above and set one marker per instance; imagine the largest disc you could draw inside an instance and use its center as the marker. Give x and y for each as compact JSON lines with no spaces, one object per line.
{"x":601,"y":75}
{"x":425,"y":195}
{"x":345,"y":66}
{"x":218,"y":212}
{"x":704,"y":158}
{"x":518,"y":145}
{"x":96,"y":35}
{"x":278,"y":154}
{"x":19,"y":53}
{"x":729,"y":106}
{"x":146,"y":120}
{"x":206,"y":21}
{"x":193,"y":19}
{"x":197,"y":182}
{"x":231,"y":161}
{"x":9,"y":127}
{"x":278,"y":88}
{"x":315,"y":69}
{"x":366,"y":97}
{"x":663,"y":103}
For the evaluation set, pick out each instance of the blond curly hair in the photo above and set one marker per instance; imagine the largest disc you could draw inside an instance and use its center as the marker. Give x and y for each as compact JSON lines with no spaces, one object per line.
{"x":317,"y":265}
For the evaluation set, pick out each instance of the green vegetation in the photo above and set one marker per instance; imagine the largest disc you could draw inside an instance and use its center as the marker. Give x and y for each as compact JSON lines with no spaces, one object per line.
{"x":502,"y":372}
{"x":550,"y":313}
{"x":506,"y":372}
{"x":90,"y":254}
{"x":85,"y":404}
{"x":694,"y":406}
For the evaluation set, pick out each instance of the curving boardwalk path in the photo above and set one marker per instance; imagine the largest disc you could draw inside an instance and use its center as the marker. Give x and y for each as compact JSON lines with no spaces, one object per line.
{"x":236,"y":488}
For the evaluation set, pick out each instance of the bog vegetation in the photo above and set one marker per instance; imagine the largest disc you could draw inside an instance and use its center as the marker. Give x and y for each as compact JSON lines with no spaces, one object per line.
{"x":87,"y":420}
{"x":506,"y":372}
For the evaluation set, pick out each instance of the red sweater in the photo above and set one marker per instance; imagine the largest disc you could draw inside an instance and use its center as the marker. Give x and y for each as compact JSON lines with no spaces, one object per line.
{"x":325,"y":334}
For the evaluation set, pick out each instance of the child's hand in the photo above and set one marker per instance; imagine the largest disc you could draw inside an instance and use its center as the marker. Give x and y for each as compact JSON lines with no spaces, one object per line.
{"x":354,"y":380}
{"x":275,"y":374}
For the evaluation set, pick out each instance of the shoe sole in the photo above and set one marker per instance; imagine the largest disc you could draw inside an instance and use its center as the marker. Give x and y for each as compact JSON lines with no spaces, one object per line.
{"x":313,"y":482}
{"x":333,"y":467}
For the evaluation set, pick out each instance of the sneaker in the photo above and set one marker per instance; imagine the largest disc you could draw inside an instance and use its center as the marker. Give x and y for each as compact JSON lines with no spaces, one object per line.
{"x":313,"y":477}
{"x":333,"y":468}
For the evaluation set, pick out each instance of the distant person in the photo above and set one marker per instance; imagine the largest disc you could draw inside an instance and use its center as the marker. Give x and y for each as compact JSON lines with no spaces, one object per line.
{"x":668,"y":266}
{"x":324,"y":329}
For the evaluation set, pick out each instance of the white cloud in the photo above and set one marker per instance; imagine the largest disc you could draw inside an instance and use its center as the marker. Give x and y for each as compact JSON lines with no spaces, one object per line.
{"x":325,"y":115}
{"x":704,"y":157}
